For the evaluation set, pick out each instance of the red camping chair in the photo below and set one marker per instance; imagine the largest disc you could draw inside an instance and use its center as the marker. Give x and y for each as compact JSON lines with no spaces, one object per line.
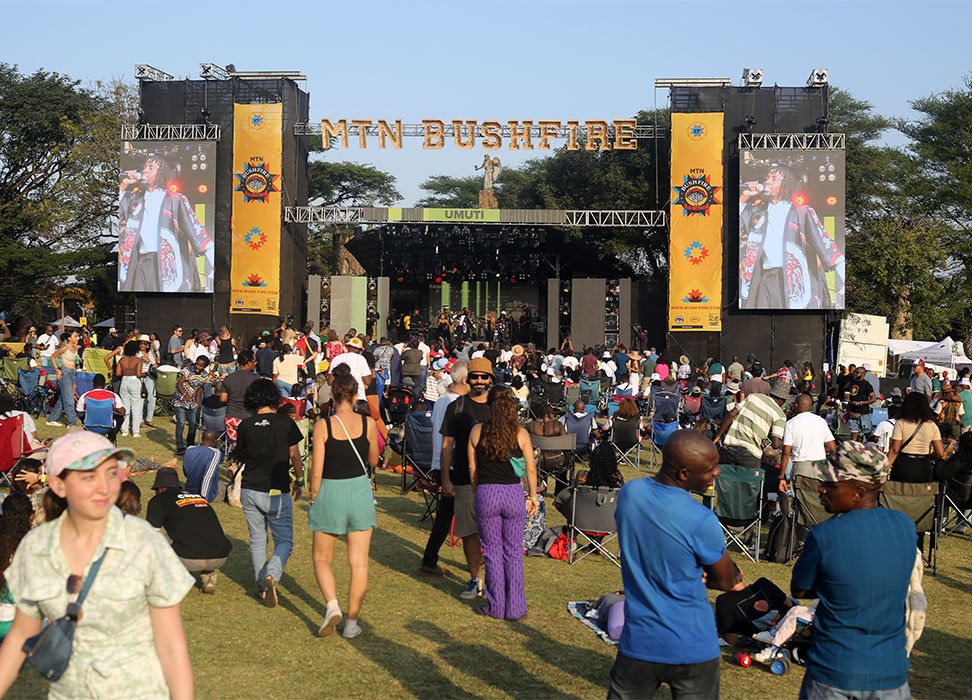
{"x":13,"y":445}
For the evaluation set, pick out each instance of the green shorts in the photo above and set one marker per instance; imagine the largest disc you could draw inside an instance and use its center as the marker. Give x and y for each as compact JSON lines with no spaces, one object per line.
{"x":343,"y":506}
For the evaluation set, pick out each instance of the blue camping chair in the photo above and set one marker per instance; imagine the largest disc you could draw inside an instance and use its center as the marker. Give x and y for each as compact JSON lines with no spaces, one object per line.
{"x":83,"y":383}
{"x":581,"y":427}
{"x":660,"y":432}
{"x":665,"y":406}
{"x":417,"y":461}
{"x":877,"y":415}
{"x":590,"y":393}
{"x":33,"y":397}
{"x":99,"y":417}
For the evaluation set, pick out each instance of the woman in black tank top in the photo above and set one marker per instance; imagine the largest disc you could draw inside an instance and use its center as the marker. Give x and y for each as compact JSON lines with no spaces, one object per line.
{"x":342,"y":502}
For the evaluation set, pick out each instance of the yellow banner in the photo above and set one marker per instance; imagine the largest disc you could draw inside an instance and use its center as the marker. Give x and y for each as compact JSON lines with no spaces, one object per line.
{"x":695,"y":252}
{"x":255,"y":260}
{"x":461,"y":215}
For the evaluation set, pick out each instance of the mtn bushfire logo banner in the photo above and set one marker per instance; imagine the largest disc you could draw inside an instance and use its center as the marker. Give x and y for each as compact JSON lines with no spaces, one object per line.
{"x":255,"y":260}
{"x":695,"y":249}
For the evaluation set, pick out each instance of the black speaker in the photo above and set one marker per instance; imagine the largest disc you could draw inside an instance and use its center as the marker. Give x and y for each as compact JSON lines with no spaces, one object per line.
{"x":612,"y":312}
{"x":325,"y":301}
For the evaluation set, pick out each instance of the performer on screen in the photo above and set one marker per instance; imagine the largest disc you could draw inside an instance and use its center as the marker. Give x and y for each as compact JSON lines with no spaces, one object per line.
{"x":161,"y":238}
{"x":787,"y":251}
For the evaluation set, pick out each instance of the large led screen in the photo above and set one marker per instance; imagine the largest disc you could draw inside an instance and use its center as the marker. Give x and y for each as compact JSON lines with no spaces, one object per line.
{"x":166,"y":200}
{"x":791,"y":229}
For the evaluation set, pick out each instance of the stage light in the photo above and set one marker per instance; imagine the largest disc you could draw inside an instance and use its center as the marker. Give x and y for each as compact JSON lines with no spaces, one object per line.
{"x":818,"y":77}
{"x":438,"y":280}
{"x":750,"y":122}
{"x":800,"y":199}
{"x":832,"y":201}
{"x":174,"y":188}
{"x":752,"y":77}
{"x":203,"y":189}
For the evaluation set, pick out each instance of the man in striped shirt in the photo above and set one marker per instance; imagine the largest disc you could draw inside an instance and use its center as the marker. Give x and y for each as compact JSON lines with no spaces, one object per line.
{"x":758,"y":417}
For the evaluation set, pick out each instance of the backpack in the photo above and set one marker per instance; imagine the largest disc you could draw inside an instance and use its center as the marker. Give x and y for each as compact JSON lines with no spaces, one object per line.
{"x":778,"y":541}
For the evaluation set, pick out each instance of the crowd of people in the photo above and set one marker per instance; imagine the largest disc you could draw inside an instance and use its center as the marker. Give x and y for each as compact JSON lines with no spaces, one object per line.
{"x":486,"y":400}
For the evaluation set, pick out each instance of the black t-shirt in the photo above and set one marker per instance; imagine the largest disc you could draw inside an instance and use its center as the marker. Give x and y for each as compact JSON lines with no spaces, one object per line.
{"x":191,"y":524}
{"x":264,"y":442}
{"x":860,"y":390}
{"x":735,"y":610}
{"x":371,"y":389}
{"x":492,"y":354}
{"x":235,"y":384}
{"x":490,"y":471}
{"x":264,"y":361}
{"x":460,"y":417}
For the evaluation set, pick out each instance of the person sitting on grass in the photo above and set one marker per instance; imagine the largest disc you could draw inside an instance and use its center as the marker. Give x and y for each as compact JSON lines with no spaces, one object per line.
{"x":99,"y":392}
{"x":748,"y":609}
{"x":192,"y":526}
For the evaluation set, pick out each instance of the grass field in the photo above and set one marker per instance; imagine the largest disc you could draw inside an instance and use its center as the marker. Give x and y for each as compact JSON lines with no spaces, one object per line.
{"x":420,"y":640}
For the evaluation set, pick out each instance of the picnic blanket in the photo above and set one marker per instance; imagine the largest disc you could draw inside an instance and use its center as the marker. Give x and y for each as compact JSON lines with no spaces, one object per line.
{"x":586,"y":612}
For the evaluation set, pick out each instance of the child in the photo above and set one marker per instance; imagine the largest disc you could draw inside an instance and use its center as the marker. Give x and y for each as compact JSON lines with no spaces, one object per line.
{"x":777,"y":635}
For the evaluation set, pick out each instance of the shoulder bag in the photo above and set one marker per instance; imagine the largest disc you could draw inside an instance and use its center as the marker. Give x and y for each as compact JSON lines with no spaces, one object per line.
{"x":50,"y":651}
{"x":915,"y":469}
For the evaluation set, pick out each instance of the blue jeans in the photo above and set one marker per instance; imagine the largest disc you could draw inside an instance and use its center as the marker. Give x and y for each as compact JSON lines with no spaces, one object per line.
{"x":149,"y":385}
{"x":284,"y":388}
{"x":815,"y":690}
{"x":183,"y":416}
{"x":276,"y":513}
{"x":65,"y":400}
{"x":861,"y":424}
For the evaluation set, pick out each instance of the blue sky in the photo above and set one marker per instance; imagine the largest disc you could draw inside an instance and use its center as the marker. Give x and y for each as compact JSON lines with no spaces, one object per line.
{"x":532,"y":59}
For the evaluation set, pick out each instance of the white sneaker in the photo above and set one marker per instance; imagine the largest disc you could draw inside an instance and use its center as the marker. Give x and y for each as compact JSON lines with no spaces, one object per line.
{"x":474,"y":589}
{"x":331,"y":620}
{"x":765,"y":655}
{"x":351,"y":629}
{"x":766,"y":637}
{"x":55,"y":424}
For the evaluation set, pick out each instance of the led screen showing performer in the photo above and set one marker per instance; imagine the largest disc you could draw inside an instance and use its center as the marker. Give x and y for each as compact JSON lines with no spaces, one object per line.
{"x":791,"y":229}
{"x":166,"y":197}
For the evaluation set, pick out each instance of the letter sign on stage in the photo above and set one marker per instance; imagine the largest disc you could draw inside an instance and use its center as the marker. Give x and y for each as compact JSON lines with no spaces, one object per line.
{"x":434,"y":130}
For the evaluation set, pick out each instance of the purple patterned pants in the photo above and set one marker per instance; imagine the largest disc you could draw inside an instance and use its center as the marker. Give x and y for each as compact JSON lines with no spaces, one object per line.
{"x":501,"y":513}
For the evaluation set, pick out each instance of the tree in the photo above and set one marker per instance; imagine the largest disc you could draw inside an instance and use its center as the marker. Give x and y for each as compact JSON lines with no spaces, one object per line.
{"x":58,"y":163}
{"x":343,"y":184}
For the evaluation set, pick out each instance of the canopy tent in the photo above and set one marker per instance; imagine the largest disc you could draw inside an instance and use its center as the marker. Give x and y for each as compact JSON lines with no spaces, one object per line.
{"x":897,"y":347}
{"x":107,"y":323}
{"x":945,"y":353}
{"x":67,"y":322}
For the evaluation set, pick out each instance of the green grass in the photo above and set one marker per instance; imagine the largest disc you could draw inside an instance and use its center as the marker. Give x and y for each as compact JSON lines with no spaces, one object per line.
{"x":420,"y":640}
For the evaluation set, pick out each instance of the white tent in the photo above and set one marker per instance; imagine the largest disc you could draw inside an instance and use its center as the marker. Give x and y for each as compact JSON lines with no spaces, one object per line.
{"x":67,"y":322}
{"x":945,"y":353}
{"x":107,"y":323}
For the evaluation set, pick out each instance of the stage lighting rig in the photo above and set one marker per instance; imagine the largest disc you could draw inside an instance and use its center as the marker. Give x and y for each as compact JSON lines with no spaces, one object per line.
{"x":823,"y":123}
{"x":210,"y":71}
{"x":818,"y":77}
{"x":144,"y":71}
{"x":752,"y":77}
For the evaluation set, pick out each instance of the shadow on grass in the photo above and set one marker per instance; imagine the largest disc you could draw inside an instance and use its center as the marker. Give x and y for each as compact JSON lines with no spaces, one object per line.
{"x":412,"y":669}
{"x":484,"y":663}
{"x":401,"y":555}
{"x":580,"y":662}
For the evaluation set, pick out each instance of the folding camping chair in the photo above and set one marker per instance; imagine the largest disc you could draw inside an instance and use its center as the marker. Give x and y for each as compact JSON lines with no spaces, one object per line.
{"x":83,"y":383}
{"x":99,"y":417}
{"x":592,"y":510}
{"x":921,"y":503}
{"x":398,"y":403}
{"x":590,"y":392}
{"x":555,"y":395}
{"x":580,"y":428}
{"x":660,"y":432}
{"x":739,"y":506}
{"x":417,"y":460}
{"x":956,"y":499}
{"x":9,"y":372}
{"x":626,"y":439}
{"x":12,"y":446}
{"x":33,"y":397}
{"x":713,"y":409}
{"x":806,"y":511}
{"x":165,"y":387}
{"x":665,"y":406}
{"x":560,"y":468}
{"x":691,"y":409}
{"x":572,"y":394}
{"x":878,"y":415}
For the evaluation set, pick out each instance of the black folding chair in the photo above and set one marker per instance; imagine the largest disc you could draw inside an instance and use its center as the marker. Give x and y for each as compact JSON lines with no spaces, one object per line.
{"x":739,"y":506}
{"x":561,"y":467}
{"x":417,"y":460}
{"x":592,"y":520}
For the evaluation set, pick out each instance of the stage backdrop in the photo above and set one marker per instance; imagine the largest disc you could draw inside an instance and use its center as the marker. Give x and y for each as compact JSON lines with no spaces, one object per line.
{"x":255,"y":260}
{"x":695,"y":252}
{"x":167,"y":197}
{"x":791,"y":229}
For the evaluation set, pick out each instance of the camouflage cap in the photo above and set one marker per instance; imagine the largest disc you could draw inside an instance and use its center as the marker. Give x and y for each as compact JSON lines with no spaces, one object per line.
{"x":857,"y":461}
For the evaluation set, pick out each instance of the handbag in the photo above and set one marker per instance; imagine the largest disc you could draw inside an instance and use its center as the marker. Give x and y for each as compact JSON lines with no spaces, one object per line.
{"x":519,"y":466}
{"x":235,"y":487}
{"x":49,"y":652}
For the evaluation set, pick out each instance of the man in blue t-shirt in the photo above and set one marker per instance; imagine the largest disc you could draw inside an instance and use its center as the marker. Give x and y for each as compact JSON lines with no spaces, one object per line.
{"x":859,"y":566}
{"x":668,"y":539}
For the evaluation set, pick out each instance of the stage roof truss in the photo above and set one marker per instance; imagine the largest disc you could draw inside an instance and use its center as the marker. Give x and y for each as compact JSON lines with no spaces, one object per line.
{"x":170,"y":132}
{"x":791,"y":142}
{"x":641,"y":131}
{"x":607,"y":218}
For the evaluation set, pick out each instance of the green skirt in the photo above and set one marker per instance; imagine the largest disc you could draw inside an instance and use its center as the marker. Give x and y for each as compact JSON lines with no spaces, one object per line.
{"x":343,"y":506}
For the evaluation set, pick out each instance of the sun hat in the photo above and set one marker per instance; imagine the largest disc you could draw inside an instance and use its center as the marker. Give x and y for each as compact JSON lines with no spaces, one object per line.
{"x":82,"y":451}
{"x":857,"y":461}
{"x":655,"y":377}
{"x":732,"y":386}
{"x":480,"y":364}
{"x":144,"y":338}
{"x":781,"y":390}
{"x":356,"y":343}
{"x":518,"y":350}
{"x":440,"y":364}
{"x":166,"y":477}
{"x":112,"y":330}
{"x":684,"y":360}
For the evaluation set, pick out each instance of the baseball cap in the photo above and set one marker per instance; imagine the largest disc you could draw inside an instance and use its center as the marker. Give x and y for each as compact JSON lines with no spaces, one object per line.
{"x":857,"y":461}
{"x":356,"y":343}
{"x":166,"y":477}
{"x":480,"y":364}
{"x":896,"y":391}
{"x":82,"y":451}
{"x":696,"y":391}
